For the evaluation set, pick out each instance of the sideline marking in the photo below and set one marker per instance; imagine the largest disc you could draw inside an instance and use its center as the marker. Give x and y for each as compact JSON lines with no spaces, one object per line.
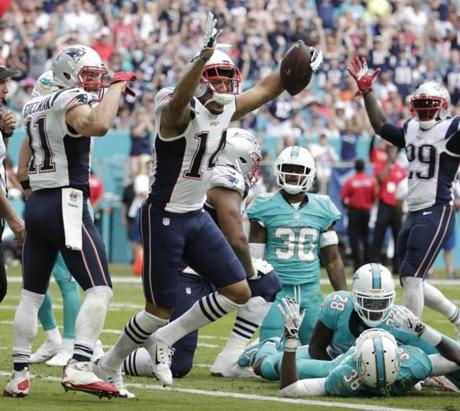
{"x":330,"y":404}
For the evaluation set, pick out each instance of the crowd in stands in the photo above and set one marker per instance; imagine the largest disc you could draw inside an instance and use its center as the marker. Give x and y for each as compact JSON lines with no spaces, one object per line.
{"x":157,"y":38}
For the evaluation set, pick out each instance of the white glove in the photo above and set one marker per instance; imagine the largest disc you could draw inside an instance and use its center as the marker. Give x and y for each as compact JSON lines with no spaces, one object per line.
{"x":292,"y":316}
{"x":210,"y":32}
{"x":405,"y":320}
{"x":316,"y":58}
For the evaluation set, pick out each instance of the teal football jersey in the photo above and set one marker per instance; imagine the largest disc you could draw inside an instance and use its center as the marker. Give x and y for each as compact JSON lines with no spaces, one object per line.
{"x":344,"y":380}
{"x":335,"y":314}
{"x":293,"y":235}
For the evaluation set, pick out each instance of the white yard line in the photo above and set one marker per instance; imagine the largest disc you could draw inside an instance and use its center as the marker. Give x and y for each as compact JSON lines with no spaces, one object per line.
{"x":220,"y":394}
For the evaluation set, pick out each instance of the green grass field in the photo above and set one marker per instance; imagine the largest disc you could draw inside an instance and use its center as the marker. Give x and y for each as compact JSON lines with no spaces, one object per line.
{"x":198,"y":391}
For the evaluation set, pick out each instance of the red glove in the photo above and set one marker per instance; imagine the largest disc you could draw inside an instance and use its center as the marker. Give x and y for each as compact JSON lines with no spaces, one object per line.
{"x":124,"y":76}
{"x":359,"y":71}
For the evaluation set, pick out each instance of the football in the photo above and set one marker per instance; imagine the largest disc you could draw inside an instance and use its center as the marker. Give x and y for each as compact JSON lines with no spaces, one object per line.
{"x":295,"y":69}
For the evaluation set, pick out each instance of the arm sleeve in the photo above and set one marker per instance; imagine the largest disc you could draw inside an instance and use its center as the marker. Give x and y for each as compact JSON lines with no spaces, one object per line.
{"x":311,"y":386}
{"x":393,"y":134}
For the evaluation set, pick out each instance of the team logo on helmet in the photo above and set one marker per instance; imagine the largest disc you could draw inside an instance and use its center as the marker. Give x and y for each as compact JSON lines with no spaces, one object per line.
{"x":74,"y":53}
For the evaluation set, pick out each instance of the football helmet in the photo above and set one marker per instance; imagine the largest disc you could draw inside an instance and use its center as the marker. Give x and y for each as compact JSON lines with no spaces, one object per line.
{"x":45,"y":84}
{"x":222,"y":77}
{"x":80,"y":66}
{"x":430,"y":104}
{"x":294,"y":182}
{"x":377,"y":359}
{"x":242,"y":151}
{"x":373,"y":291}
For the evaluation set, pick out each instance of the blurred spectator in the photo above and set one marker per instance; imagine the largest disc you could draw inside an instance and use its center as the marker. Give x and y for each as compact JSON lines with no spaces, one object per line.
{"x":141,"y":137}
{"x":325,"y":157}
{"x":349,"y":138}
{"x":96,"y":197}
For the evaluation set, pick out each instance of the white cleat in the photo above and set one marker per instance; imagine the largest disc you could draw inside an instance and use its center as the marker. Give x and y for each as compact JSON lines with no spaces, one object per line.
{"x":113,"y":377}
{"x":47,"y":350}
{"x":60,"y":359}
{"x":226,"y":365}
{"x":161,"y":355}
{"x":18,"y":385}
{"x":79,"y":376}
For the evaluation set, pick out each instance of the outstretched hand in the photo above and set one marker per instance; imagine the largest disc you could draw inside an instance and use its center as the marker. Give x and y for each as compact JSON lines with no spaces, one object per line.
{"x":210,"y":32}
{"x":360,"y":72}
{"x":405,"y":320}
{"x":292,"y":316}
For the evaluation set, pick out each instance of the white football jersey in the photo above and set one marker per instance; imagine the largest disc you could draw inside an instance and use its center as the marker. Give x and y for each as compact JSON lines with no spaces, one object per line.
{"x":60,"y":156}
{"x":432,"y":167}
{"x":182,"y":166}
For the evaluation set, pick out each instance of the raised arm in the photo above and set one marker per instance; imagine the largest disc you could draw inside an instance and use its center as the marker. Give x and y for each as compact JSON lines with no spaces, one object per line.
{"x":176,"y":114}
{"x":96,"y":121}
{"x":320,"y":339}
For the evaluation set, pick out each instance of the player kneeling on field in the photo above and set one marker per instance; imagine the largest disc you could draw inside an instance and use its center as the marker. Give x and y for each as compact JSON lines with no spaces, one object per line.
{"x":375,"y":366}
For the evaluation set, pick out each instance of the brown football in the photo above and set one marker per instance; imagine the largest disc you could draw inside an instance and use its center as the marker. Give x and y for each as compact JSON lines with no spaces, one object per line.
{"x":295,"y":68}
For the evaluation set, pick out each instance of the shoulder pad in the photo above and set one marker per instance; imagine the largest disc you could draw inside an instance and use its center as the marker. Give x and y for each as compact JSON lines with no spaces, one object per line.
{"x":66,"y":99}
{"x":162,"y":98}
{"x":228,"y":177}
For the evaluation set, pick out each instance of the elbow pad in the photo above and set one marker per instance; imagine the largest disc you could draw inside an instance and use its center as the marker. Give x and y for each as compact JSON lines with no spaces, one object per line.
{"x":328,"y":238}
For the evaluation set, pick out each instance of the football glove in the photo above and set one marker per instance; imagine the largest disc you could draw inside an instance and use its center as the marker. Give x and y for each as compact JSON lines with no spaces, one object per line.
{"x":124,"y":76}
{"x":316,"y":58}
{"x":292,"y":317}
{"x":360,"y":72}
{"x":261,"y":268}
{"x":405,"y":320}
{"x":210,"y":32}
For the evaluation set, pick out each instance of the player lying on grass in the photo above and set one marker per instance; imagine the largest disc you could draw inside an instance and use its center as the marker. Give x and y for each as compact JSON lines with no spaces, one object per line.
{"x":375,"y":366}
{"x":236,"y":171}
{"x":343,"y":317}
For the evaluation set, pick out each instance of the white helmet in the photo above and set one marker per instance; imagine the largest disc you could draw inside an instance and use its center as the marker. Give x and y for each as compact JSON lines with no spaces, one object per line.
{"x":79,"y":66}
{"x":373,"y":291}
{"x":45,"y":84}
{"x":377,"y":359}
{"x":430,"y":103}
{"x":243,"y":152}
{"x":220,"y":68}
{"x":294,"y":182}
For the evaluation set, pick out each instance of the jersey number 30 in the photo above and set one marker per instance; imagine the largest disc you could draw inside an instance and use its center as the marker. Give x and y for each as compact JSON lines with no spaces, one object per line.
{"x":305,"y":243}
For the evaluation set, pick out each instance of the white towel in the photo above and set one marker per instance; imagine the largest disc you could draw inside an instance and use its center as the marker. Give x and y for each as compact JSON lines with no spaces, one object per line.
{"x":72,"y":214}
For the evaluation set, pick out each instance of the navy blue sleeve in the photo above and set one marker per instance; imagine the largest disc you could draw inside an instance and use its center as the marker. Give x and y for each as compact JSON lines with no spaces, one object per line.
{"x":453,"y":134}
{"x":393,"y":134}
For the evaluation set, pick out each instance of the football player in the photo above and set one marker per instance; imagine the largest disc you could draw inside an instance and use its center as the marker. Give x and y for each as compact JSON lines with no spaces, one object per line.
{"x":432,"y":147}
{"x":344,"y":316}
{"x":56,"y":351}
{"x":59,"y":127}
{"x":7,"y":213}
{"x":292,"y":229}
{"x":376,"y":366}
{"x":236,"y":171}
{"x":191,"y":123}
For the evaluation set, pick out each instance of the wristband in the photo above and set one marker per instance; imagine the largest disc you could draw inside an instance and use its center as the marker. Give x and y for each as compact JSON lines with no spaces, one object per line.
{"x":7,"y":135}
{"x":291,"y":344}
{"x":25,"y":184}
{"x":200,"y":57}
{"x":432,"y":336}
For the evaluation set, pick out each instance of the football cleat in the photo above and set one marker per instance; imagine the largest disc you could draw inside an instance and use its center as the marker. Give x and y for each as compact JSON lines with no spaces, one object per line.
{"x":78,"y":376}
{"x":113,"y":377}
{"x":161,"y":355}
{"x":60,"y":359}
{"x":47,"y":350}
{"x":441,"y":382}
{"x":18,"y":385}
{"x":226,"y":365}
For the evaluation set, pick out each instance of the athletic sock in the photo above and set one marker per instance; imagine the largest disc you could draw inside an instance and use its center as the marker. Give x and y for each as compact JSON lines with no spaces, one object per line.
{"x":136,"y":332}
{"x":71,"y":306}
{"x":25,"y":327}
{"x":46,"y":314}
{"x":207,"y":310}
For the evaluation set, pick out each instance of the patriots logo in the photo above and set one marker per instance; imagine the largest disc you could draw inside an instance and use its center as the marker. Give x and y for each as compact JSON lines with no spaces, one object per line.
{"x":79,"y":98}
{"x":231,"y":178}
{"x":74,"y":53}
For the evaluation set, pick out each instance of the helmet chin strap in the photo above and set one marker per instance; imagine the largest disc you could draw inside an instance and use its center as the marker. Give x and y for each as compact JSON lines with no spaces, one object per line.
{"x":426,"y":125}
